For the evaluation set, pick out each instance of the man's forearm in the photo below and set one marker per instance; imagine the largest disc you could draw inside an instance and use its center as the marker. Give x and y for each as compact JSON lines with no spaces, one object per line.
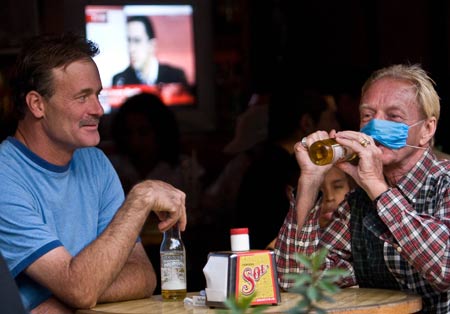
{"x":136,"y":280}
{"x":52,"y":306}
{"x":99,"y":269}
{"x":103,"y":260}
{"x":79,"y":281}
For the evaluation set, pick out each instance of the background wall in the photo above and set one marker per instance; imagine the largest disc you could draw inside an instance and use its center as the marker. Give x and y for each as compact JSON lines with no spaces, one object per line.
{"x":334,"y":43}
{"x":331,"y":44}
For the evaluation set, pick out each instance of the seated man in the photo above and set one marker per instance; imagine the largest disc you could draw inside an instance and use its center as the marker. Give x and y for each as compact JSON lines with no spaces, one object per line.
{"x":392,"y":231}
{"x":68,"y":235}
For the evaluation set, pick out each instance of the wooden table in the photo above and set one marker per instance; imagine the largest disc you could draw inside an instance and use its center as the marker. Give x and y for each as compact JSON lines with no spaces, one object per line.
{"x":347,"y":301}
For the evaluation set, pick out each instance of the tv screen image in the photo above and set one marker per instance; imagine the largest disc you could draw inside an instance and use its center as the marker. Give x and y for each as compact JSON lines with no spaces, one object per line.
{"x":124,"y":34}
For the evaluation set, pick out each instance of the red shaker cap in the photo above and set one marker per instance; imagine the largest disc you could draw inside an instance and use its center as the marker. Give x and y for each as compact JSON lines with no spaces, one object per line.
{"x":239,"y":231}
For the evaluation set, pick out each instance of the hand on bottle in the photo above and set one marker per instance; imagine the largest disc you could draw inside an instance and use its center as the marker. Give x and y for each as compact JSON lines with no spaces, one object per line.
{"x":368,"y":173}
{"x":168,"y":203}
{"x":301,"y":153}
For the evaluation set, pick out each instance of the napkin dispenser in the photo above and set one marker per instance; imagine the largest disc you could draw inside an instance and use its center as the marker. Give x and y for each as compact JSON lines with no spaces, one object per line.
{"x":231,"y":274}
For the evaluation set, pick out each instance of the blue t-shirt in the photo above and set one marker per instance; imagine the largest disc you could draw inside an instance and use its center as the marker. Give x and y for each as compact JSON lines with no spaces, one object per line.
{"x":44,"y":206}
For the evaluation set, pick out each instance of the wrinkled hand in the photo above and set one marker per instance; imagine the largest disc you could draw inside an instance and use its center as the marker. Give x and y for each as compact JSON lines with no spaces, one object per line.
{"x":168,"y":203}
{"x":301,"y":154}
{"x":368,"y":173}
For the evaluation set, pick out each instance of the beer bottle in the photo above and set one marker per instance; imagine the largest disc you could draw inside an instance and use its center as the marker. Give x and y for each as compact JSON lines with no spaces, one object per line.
{"x":173,"y":266}
{"x":328,"y":151}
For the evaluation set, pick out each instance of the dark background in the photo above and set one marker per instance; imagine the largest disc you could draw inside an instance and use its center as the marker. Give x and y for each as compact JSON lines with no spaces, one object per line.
{"x":330,"y":44}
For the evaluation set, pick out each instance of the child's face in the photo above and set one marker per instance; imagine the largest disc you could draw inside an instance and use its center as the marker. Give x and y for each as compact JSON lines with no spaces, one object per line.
{"x":333,"y":188}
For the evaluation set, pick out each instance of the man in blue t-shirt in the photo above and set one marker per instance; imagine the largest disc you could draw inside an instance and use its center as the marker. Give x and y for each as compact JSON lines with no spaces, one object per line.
{"x":68,"y":234}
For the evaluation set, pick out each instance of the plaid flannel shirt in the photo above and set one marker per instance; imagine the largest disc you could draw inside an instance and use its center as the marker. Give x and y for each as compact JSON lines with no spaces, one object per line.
{"x":413,"y":222}
{"x":290,"y":240}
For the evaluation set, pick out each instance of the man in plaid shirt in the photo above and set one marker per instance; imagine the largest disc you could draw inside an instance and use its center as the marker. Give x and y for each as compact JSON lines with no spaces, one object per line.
{"x":393,"y":231}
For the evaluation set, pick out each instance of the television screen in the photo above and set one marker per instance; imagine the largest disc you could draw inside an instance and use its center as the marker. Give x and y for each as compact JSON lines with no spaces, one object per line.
{"x":144,"y":48}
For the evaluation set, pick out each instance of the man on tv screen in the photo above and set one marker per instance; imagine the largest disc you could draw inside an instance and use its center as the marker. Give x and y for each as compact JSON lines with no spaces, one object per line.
{"x":144,"y":66}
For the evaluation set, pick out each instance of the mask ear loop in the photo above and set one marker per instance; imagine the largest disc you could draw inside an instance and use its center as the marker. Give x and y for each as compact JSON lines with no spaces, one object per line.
{"x":416,"y":123}
{"x":413,"y":125}
{"x":424,"y":148}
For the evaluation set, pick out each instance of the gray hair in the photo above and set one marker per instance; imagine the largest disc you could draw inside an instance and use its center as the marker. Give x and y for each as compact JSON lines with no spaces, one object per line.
{"x":426,"y":95}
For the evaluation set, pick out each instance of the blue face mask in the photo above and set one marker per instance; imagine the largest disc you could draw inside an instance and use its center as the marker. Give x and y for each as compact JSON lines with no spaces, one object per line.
{"x":388,"y":133}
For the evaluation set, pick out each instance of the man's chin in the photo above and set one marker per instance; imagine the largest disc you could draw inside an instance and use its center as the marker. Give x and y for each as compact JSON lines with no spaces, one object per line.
{"x":90,"y":141}
{"x":386,"y":150}
{"x":388,"y":157}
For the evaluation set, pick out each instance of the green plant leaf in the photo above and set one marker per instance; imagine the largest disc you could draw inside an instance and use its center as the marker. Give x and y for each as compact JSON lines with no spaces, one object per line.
{"x":239,"y":306}
{"x":305,"y":260}
{"x":328,"y":286}
{"x":335,"y":272}
{"x":259,"y":309}
{"x":299,"y":289}
{"x":242,"y":305}
{"x":312,"y":285}
{"x":318,"y":258}
{"x":312,"y":293}
{"x":328,"y":299}
{"x":301,"y":308}
{"x":245,"y":302}
{"x":232,"y":305}
{"x":300,"y":279}
{"x":304,"y":302}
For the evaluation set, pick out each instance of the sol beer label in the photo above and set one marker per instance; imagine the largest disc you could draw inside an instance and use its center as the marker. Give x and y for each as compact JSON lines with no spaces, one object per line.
{"x":255,"y":275}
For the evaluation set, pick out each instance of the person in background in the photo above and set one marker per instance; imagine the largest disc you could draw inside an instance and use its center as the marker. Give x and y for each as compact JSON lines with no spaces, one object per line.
{"x":68,"y":234}
{"x":146,"y":135}
{"x":144,"y":66}
{"x":147,"y":145}
{"x":219,"y":198}
{"x":393,"y":230}
{"x":336,"y":184}
{"x":263,"y":196}
{"x":7,"y":122}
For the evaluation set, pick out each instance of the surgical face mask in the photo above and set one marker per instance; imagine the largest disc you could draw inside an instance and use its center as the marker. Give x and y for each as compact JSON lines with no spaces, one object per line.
{"x":389,"y":133}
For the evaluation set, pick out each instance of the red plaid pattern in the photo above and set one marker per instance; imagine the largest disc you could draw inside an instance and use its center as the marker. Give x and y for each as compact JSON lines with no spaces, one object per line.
{"x":415,"y":228}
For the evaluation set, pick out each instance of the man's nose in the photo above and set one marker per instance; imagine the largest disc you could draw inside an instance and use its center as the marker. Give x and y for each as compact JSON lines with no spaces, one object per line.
{"x":379,"y":115}
{"x":98,"y":108}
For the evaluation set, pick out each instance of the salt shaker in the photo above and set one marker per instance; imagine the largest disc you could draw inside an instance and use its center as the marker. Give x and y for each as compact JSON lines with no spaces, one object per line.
{"x":239,"y":239}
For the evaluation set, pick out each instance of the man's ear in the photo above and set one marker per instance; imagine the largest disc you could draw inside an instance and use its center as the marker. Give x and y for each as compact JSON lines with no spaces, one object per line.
{"x":35,"y":103}
{"x":429,"y":129}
